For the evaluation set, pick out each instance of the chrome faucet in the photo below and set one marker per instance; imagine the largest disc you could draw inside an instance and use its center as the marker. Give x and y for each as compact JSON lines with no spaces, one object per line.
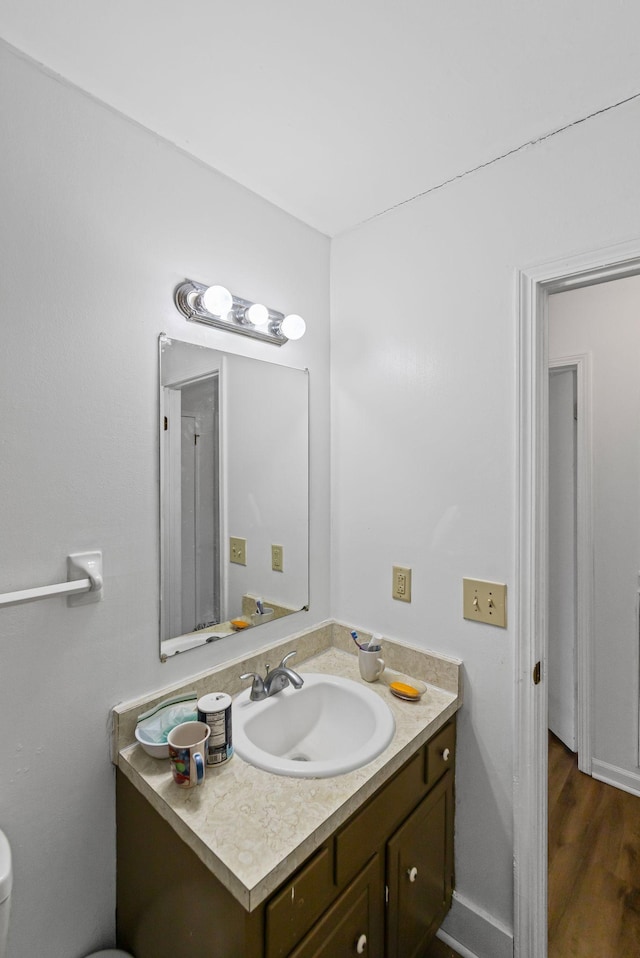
{"x":274,"y":681}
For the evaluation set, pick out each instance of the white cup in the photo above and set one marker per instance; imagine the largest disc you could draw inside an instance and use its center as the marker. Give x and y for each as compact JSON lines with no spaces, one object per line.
{"x":187,"y":750}
{"x":371,"y":664}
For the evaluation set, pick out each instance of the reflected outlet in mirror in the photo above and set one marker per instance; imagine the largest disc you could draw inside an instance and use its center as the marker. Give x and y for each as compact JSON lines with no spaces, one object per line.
{"x":234,"y":455}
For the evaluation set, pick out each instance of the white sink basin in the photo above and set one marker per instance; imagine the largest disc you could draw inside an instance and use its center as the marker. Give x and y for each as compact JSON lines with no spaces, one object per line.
{"x":329,"y":726}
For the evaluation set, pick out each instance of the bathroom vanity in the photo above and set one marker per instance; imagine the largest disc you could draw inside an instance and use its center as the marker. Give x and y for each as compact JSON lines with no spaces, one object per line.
{"x":258,"y":865}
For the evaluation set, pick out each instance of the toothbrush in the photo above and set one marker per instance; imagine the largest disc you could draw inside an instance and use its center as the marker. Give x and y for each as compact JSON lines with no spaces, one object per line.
{"x":354,"y":636}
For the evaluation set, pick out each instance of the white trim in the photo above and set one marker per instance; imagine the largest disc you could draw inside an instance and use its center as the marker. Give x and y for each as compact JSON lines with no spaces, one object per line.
{"x":530,"y":759}
{"x":530,"y":746}
{"x":585,"y":645}
{"x":170,"y":514}
{"x":223,"y":488}
{"x":618,"y":777}
{"x":455,"y":945}
{"x":468,"y":925}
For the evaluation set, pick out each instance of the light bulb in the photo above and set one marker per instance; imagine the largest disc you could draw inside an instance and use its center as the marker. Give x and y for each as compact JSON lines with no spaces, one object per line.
{"x":258,"y":314}
{"x":293,"y":326}
{"x":217,"y":300}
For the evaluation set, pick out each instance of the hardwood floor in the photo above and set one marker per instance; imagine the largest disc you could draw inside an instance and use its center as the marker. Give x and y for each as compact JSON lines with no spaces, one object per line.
{"x":437,"y":949}
{"x":594,"y":864}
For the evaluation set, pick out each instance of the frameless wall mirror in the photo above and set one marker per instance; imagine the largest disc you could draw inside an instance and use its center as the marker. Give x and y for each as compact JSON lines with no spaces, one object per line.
{"x":234,"y":494}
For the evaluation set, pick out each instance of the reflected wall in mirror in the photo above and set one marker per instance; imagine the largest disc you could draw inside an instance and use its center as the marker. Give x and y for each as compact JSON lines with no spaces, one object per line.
{"x":234,"y":483}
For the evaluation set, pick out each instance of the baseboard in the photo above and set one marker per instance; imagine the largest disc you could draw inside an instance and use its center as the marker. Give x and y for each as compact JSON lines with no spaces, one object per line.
{"x":457,"y":947}
{"x":619,"y":777}
{"x":474,"y":933}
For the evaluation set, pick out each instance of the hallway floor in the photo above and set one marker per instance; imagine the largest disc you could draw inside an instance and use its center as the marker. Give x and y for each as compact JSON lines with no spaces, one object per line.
{"x":437,"y":949}
{"x":594,"y":864}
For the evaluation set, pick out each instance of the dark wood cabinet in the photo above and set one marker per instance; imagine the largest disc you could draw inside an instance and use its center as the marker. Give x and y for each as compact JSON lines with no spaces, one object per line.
{"x":354,"y":924}
{"x":292,"y":911}
{"x":379,"y":887}
{"x":420,"y":874}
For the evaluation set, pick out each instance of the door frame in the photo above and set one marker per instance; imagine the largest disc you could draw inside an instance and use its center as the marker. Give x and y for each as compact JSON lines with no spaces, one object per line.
{"x":170,"y":516}
{"x":585,"y":649}
{"x":534,"y":286}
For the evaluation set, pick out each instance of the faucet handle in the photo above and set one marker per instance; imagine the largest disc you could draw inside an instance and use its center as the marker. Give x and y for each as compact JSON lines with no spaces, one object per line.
{"x":283,"y":664}
{"x":257,"y":687}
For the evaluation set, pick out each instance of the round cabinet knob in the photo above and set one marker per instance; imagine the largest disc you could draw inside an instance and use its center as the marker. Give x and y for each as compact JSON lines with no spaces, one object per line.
{"x":445,"y":754}
{"x":412,"y":873}
{"x":361,"y":945}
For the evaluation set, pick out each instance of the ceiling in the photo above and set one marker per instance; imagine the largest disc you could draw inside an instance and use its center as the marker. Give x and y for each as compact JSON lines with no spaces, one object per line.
{"x":337,"y":111}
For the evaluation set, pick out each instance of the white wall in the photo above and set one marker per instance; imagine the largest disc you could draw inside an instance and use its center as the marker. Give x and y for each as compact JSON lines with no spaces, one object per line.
{"x":605,"y":322}
{"x":423,"y":365}
{"x":100,"y":221}
{"x":266,"y":495}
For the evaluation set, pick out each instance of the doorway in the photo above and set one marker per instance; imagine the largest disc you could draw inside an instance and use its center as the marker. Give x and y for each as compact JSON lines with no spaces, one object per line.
{"x":563,"y":558}
{"x":190,"y":514}
{"x":531,"y":745}
{"x":592,"y":853}
{"x":570,"y":572}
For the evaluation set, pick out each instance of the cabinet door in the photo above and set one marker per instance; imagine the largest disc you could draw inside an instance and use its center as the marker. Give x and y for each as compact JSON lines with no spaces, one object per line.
{"x":353,"y":925}
{"x":420,"y":873}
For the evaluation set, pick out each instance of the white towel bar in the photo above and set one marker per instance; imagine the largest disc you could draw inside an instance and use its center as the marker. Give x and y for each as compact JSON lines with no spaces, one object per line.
{"x":84,"y":585}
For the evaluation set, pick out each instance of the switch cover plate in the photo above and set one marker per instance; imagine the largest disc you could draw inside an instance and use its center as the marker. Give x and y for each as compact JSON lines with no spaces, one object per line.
{"x":401,"y":583}
{"x":485,"y":601}
{"x":237,"y":550}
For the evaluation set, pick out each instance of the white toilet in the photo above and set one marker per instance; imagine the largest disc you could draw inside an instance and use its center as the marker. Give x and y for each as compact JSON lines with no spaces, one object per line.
{"x":6,"y":881}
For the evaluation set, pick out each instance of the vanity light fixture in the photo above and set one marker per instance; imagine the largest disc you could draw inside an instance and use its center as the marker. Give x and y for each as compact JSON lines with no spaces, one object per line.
{"x":216,"y":306}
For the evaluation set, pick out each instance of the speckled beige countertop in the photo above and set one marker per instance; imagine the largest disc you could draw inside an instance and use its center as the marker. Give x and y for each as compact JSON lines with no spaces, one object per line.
{"x":251,"y":828}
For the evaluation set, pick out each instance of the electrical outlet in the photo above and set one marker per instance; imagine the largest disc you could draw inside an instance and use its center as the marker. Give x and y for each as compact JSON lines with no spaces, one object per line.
{"x":401,"y":584}
{"x":237,"y":550}
{"x":277,"y":558}
{"x":485,"y":601}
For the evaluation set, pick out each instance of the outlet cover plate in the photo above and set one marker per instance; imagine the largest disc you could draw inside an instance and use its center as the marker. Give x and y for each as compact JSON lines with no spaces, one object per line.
{"x":485,"y":602}
{"x":401,"y":583}
{"x":277,"y":558}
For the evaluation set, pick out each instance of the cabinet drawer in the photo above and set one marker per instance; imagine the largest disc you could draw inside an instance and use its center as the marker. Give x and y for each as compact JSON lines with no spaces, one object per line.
{"x":290,"y":914}
{"x":370,"y":827}
{"x":440,"y":754}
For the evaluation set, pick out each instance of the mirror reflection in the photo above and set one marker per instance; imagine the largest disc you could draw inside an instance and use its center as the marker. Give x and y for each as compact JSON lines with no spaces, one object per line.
{"x":234,"y":494}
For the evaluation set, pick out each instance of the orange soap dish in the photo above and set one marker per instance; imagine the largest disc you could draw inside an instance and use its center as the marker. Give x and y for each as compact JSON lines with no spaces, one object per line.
{"x":403,"y":686}
{"x":404,"y":691}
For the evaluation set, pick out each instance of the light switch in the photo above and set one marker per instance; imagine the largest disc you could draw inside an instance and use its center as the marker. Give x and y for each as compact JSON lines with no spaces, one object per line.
{"x":485,"y":601}
{"x":237,"y":550}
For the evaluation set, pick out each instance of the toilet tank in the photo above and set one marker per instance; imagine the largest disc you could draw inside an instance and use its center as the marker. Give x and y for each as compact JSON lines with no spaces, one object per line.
{"x":6,"y":880}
